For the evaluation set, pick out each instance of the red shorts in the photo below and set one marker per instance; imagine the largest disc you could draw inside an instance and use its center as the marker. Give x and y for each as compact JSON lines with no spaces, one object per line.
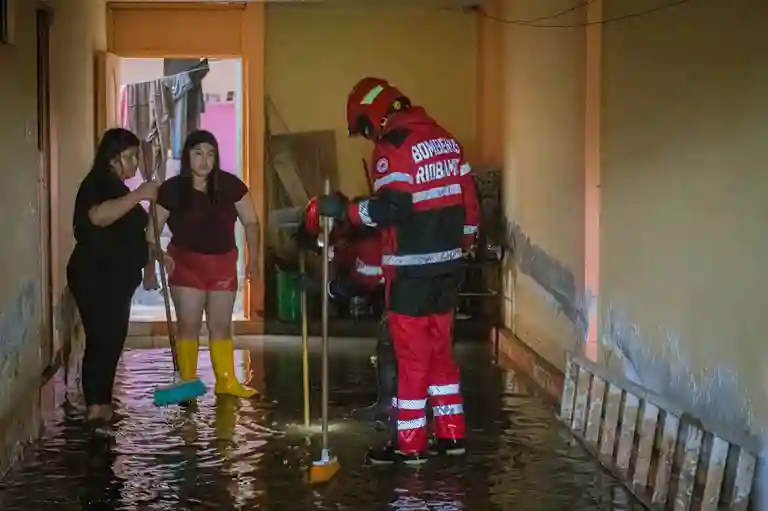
{"x":206,"y":272}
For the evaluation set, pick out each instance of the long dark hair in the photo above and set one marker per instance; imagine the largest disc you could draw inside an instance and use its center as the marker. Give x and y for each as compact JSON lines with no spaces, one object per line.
{"x":112,"y":144}
{"x":193,"y":140}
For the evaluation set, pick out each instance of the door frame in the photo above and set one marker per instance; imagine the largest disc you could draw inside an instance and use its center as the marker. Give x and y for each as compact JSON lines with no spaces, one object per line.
{"x":232,"y":31}
{"x":43,"y":26}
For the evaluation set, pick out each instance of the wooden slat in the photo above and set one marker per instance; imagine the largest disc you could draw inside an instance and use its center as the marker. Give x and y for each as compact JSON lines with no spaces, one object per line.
{"x":608,"y":436}
{"x":582,"y":400}
{"x":569,"y":391}
{"x":595,"y":415}
{"x":745,"y":471}
{"x":749,"y":442}
{"x":666,"y":457}
{"x":687,"y":478}
{"x":715,"y":473}
{"x":645,"y":448}
{"x":627,"y":436}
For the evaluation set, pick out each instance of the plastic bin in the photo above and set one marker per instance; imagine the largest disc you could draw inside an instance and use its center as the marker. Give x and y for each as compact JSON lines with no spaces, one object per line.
{"x":288,"y":296}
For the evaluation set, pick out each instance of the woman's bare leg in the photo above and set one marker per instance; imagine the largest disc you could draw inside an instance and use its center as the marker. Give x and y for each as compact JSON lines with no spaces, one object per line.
{"x":189,"y":304}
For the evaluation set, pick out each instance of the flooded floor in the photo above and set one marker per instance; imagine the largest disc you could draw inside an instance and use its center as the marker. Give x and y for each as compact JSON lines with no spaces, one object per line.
{"x":226,"y":454}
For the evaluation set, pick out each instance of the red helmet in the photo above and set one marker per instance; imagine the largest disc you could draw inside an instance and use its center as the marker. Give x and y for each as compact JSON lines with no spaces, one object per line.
{"x":312,"y":217}
{"x":312,"y":222}
{"x":369,"y":104}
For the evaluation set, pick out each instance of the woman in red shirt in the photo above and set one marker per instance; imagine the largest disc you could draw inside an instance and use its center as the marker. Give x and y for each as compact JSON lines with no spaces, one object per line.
{"x":201,"y":206}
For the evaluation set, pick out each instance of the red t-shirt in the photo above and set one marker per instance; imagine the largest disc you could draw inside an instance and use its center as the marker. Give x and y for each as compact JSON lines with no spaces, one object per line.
{"x":198,"y":225}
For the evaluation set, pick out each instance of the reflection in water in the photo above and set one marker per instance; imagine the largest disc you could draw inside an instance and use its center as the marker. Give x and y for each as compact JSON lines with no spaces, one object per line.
{"x":223,"y":453}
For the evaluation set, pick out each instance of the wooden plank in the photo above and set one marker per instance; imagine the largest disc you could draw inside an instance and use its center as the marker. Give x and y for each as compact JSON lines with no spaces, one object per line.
{"x":745,"y":471}
{"x":687,"y":478}
{"x":666,"y":458}
{"x":284,"y":163}
{"x":608,"y":436}
{"x":595,"y":415}
{"x":715,"y":474}
{"x":645,"y":447}
{"x":582,"y":400}
{"x":627,"y":436}
{"x":314,"y":153}
{"x":569,"y":392}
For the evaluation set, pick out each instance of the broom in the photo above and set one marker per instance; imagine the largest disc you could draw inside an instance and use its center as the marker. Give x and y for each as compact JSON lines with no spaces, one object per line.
{"x":180,"y":391}
{"x":327,"y":466}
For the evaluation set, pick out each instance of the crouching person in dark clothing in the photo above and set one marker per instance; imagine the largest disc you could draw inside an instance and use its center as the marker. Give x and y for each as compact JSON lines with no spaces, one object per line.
{"x":106,"y":265}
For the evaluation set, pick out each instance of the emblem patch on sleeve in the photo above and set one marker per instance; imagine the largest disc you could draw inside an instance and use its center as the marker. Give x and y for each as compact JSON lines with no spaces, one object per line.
{"x":382,"y":165}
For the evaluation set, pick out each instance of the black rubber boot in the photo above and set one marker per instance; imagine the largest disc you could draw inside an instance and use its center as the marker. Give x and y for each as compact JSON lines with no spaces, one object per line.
{"x":446,"y":447}
{"x":379,"y":413}
{"x":389,"y":454}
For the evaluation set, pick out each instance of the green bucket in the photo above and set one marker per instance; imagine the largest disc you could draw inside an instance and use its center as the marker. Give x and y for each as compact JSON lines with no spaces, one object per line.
{"x":288,"y":296}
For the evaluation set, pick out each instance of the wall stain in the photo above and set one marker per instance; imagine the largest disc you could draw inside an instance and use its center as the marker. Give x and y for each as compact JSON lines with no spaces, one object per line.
{"x":552,"y":276}
{"x":21,"y":317}
{"x":713,"y":394}
{"x":19,"y":326}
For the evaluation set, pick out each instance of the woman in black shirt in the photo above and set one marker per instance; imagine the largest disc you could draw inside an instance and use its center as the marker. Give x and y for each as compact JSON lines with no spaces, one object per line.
{"x":106,"y":265}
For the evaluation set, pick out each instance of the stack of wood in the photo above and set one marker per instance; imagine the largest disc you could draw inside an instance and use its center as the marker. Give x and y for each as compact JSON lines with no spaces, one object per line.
{"x":296,"y":168}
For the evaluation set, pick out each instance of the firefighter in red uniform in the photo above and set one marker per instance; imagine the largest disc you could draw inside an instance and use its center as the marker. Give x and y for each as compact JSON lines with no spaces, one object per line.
{"x":359,"y":250}
{"x":425,"y":205}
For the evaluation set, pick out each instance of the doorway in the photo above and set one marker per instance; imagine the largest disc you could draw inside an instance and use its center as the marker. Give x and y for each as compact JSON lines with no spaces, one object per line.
{"x":43,"y":28}
{"x":159,"y":32}
{"x":213,"y":102}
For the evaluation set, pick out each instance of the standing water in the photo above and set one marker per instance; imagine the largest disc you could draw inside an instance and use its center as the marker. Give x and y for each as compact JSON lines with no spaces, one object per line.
{"x":224,"y":454}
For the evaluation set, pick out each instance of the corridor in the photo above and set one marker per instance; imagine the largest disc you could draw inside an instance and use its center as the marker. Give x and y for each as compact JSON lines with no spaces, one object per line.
{"x":228,"y":455}
{"x":626,"y":141}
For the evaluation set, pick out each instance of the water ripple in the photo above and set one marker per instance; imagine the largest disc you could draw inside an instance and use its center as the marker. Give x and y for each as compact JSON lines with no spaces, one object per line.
{"x":230,"y":454}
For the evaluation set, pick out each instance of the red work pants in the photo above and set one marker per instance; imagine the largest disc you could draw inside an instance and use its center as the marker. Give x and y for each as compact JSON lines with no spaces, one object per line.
{"x":425,"y":368}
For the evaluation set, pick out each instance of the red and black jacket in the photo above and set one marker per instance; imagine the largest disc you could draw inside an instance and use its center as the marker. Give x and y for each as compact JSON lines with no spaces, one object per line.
{"x":424,"y":202}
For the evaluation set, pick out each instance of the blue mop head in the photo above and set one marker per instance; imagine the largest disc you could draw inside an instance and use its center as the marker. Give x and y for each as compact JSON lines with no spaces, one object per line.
{"x":179,"y":392}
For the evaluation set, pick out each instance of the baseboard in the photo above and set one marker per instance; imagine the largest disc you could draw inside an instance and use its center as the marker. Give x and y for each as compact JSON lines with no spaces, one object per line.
{"x":508,"y":349}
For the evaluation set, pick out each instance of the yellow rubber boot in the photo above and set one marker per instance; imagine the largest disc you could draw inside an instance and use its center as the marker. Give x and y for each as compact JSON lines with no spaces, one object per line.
{"x":223,"y":360}
{"x":186,"y":355}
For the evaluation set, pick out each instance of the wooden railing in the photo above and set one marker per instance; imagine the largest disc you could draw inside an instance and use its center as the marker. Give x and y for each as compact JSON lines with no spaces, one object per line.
{"x":666,"y":458}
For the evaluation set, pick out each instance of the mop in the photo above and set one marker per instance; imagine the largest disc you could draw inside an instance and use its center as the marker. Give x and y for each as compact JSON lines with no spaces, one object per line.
{"x":327,"y":466}
{"x":304,"y":341}
{"x":179,"y":391}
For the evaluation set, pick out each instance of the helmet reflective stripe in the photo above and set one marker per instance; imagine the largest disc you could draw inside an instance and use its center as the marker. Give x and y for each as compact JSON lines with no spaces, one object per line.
{"x":372,"y":94}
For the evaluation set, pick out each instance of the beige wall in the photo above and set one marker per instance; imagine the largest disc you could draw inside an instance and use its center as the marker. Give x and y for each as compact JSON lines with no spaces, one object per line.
{"x":684,"y":212}
{"x":315,"y":54}
{"x":674,"y":105}
{"x":543,"y":74}
{"x":78,"y":30}
{"x":19,"y":220}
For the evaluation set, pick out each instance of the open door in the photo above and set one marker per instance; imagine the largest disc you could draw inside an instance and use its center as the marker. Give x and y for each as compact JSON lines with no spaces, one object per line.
{"x":107,"y":92}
